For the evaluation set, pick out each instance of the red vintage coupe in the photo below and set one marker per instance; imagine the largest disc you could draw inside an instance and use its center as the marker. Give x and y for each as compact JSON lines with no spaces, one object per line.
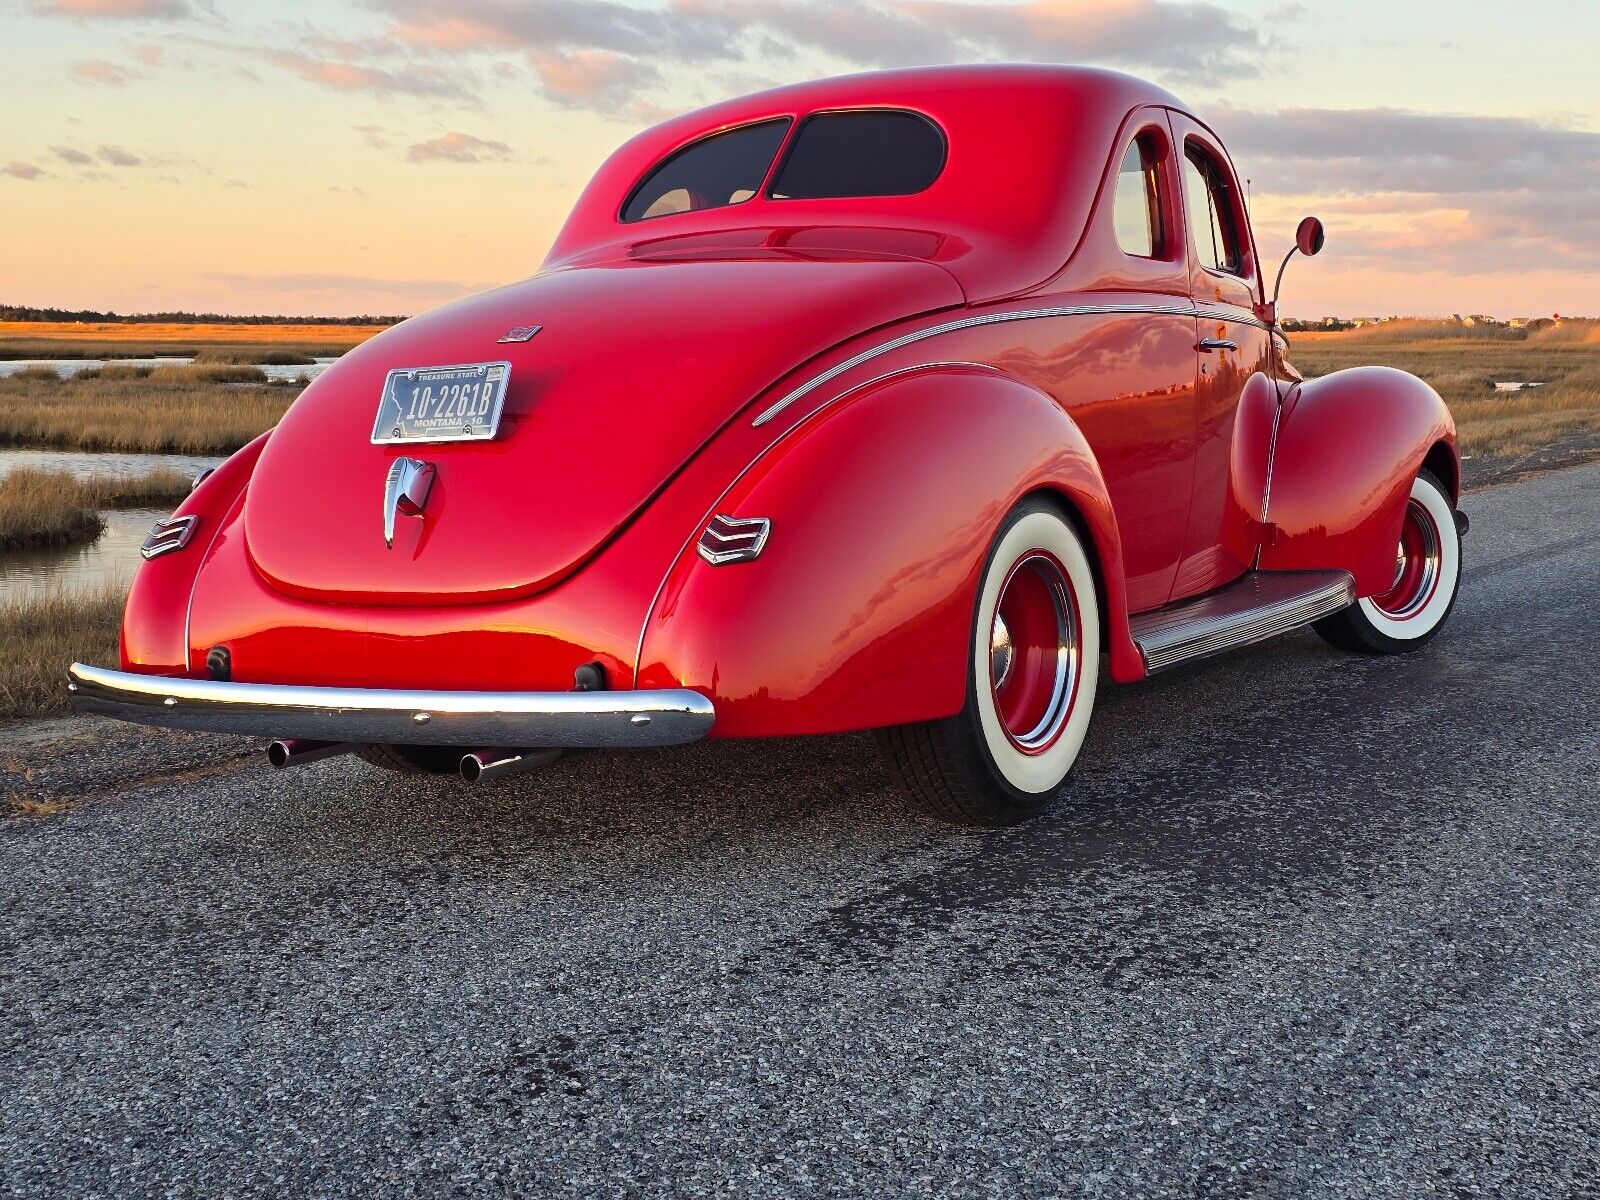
{"x":893,"y":401}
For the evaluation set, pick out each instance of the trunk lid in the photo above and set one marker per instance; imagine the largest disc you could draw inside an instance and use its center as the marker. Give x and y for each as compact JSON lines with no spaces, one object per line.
{"x":637,"y":364}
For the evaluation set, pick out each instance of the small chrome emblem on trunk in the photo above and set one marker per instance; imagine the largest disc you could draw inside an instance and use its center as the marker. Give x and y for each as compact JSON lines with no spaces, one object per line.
{"x":405,"y":491}
{"x":521,"y":333}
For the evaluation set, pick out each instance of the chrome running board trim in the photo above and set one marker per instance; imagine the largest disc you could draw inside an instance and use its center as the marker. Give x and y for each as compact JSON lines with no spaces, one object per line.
{"x":548,"y":720}
{"x":1261,"y":605}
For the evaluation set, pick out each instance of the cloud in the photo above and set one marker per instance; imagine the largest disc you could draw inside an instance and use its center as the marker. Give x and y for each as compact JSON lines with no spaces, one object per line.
{"x":590,"y":78}
{"x":600,"y":53}
{"x":109,"y":74}
{"x":145,"y":10}
{"x":376,"y":135}
{"x":116,"y":156}
{"x":69,"y":155}
{"x":688,"y":29}
{"x":1464,"y":194}
{"x":150,"y":56}
{"x":457,"y":147}
{"x":341,"y":75}
{"x":364,"y":285}
{"x":23,"y":170}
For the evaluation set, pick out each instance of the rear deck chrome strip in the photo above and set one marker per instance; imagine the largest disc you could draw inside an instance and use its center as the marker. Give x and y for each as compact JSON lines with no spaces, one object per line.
{"x":917,"y":335}
{"x":1259,"y":606}
{"x":547,"y":720}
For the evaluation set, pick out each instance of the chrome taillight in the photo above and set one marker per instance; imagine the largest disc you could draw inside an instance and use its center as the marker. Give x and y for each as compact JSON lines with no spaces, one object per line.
{"x":169,"y":534}
{"x":734,"y":539}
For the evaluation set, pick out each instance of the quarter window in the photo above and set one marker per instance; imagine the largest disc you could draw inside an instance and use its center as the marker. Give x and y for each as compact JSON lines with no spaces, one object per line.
{"x":723,"y":169}
{"x":1208,"y":195}
{"x":1137,"y":210}
{"x":862,"y":153}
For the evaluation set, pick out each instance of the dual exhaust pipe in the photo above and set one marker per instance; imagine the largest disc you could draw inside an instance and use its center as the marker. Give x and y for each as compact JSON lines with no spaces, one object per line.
{"x":477,"y":766}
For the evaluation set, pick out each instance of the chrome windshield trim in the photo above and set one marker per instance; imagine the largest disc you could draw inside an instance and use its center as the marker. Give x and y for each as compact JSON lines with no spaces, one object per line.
{"x":545,"y":720}
{"x":917,"y":335}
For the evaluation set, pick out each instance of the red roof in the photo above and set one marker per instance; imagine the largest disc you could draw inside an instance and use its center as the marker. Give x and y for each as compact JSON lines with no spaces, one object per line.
{"x":1028,"y":148}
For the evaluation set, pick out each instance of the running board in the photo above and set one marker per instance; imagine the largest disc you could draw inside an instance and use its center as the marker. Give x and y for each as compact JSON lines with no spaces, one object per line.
{"x":1261,"y":605}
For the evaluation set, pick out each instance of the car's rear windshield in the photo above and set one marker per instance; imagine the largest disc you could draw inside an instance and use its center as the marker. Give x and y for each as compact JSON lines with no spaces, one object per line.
{"x":881,"y":152}
{"x":868,"y":152}
{"x":723,"y":169}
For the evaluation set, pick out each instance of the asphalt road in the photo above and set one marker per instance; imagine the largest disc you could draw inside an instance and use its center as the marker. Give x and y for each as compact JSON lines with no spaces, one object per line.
{"x":1309,"y":925}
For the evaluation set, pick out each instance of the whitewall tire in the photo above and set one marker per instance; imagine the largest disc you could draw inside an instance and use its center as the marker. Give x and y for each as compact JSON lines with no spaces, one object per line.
{"x":1427,"y":580}
{"x":1034,"y":665}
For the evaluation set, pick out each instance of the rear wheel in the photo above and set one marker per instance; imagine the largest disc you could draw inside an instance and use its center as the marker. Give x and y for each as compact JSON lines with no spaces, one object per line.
{"x":1034,"y":663}
{"x":414,"y":760}
{"x":1427,"y":577}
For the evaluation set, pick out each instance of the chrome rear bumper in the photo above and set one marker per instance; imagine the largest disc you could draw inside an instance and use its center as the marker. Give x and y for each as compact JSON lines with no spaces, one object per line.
{"x":546,"y":720}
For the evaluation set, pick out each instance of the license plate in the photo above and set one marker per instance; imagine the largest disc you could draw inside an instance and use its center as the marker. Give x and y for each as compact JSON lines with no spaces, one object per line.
{"x":442,"y":404}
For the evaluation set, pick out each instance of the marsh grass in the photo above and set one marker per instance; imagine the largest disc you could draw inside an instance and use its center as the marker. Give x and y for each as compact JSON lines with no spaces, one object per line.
{"x":249,"y":357}
{"x":55,"y":508}
{"x":170,"y":410}
{"x":40,"y":636}
{"x":1463,"y":369}
{"x":250,"y":343}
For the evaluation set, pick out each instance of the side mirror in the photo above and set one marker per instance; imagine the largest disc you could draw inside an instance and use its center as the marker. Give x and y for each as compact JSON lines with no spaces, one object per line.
{"x":1309,"y":237}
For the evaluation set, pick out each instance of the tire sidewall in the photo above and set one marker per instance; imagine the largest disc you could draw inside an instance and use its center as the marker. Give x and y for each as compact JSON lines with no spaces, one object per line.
{"x":1427,"y":621}
{"x":1030,"y":780}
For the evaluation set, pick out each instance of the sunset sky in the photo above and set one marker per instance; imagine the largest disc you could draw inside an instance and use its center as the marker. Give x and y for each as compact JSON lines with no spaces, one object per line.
{"x":383,"y":156}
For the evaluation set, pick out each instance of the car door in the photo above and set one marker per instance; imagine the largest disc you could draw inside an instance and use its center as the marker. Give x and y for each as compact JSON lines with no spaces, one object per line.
{"x":1234,"y":394}
{"x":1125,"y":369}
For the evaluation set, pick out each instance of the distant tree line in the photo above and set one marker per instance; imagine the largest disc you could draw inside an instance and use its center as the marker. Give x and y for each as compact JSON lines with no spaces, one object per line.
{"x":10,"y":312}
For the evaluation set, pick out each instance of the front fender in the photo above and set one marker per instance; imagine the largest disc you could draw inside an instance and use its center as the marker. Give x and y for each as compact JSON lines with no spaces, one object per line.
{"x":153,"y":622}
{"x":1349,"y":446}
{"x":883,"y":506}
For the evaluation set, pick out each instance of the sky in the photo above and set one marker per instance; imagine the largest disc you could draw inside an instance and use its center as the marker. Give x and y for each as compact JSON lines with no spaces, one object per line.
{"x":385,"y":156}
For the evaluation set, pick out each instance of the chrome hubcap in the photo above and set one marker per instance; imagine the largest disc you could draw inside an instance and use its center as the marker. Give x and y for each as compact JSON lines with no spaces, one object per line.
{"x":1034,"y":652}
{"x":1001,"y":652}
{"x":1417,"y":565}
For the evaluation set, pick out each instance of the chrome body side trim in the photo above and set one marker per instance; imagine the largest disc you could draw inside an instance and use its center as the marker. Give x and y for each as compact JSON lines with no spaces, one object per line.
{"x":1220,"y":312}
{"x":1261,"y":605}
{"x":917,"y":335}
{"x":404,"y":717}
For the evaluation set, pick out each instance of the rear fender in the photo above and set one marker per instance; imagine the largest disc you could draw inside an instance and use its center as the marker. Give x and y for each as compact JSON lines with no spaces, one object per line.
{"x":883,"y":506}
{"x":1349,"y":446}
{"x":153,"y":622}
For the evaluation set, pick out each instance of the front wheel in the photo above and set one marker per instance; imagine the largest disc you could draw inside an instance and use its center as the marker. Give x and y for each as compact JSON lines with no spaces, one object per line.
{"x":1427,"y":576}
{"x":1034,"y":662}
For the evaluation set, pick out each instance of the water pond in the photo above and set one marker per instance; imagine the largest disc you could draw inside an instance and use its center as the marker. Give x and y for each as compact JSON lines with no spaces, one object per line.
{"x":68,"y":367}
{"x":111,"y":559}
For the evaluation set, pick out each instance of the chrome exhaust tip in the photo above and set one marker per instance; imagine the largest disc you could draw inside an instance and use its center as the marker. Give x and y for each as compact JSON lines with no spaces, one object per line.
{"x":485,"y":766}
{"x":296,"y":752}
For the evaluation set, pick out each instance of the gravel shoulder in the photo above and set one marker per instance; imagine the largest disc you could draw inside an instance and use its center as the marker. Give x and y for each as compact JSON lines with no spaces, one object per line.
{"x":1309,"y":925}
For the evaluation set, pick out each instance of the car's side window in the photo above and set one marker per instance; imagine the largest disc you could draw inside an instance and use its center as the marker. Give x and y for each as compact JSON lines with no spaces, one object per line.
{"x":1137,"y":208}
{"x":1208,"y":196}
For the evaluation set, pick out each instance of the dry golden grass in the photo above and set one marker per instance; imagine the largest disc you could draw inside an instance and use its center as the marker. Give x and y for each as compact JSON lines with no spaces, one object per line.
{"x":69,"y":339}
{"x":55,"y":508}
{"x":39,"y":637}
{"x":179,"y":410}
{"x":1464,"y":369}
